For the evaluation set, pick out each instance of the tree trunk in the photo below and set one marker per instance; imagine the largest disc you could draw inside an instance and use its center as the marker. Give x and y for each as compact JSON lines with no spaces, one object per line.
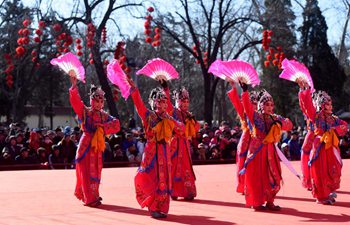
{"x":104,"y":82}
{"x":208,"y":100}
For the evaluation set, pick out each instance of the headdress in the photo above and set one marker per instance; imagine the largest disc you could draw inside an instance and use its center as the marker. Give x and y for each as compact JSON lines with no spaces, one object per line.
{"x":253,"y":96}
{"x":96,"y":92}
{"x":263,"y":96}
{"x":156,"y":95}
{"x":319,"y":98}
{"x":180,"y":94}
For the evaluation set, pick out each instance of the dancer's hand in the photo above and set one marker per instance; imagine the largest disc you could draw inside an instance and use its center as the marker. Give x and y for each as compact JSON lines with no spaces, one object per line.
{"x":163,"y":83}
{"x":73,"y":79}
{"x":243,"y":85}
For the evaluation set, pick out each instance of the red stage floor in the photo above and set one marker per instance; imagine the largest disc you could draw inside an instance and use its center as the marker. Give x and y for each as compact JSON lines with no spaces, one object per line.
{"x":46,"y":197}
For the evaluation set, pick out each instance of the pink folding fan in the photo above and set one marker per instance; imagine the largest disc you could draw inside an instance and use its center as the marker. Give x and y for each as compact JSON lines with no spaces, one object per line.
{"x":159,"y":69}
{"x":117,"y":76}
{"x":235,"y":70}
{"x":68,"y":62}
{"x":216,"y":68}
{"x":292,"y":70}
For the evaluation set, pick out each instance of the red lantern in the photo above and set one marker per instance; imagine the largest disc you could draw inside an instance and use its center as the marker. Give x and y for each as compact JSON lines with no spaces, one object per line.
{"x":106,"y":62}
{"x":34,"y":53}
{"x":34,"y":59}
{"x":78,"y":41}
{"x":38,"y":32}
{"x":157,"y":37}
{"x":26,"y":22}
{"x":42,"y":24}
{"x":91,"y":61}
{"x":79,"y":53}
{"x":149,"y":40}
{"x":147,"y":32}
{"x":146,"y":24}
{"x":157,"y":30}
{"x":79,"y":47}
{"x":277,"y":56}
{"x":275,"y":62}
{"x":149,"y":17}
{"x":279,"y":48}
{"x":269,"y":57}
{"x":57,"y":27}
{"x":37,"y":39}
{"x":266,"y":63}
{"x":25,"y":32}
{"x":20,"y":51}
{"x":271,"y":50}
{"x":150,"y":9}
{"x":270,"y":33}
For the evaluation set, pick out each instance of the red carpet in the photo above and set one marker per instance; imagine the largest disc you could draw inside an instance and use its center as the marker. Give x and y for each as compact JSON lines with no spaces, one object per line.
{"x":46,"y":197}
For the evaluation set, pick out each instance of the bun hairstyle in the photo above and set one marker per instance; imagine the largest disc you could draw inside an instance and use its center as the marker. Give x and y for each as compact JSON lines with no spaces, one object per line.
{"x":181,"y":93}
{"x":96,"y":92}
{"x":263,"y":96}
{"x":156,"y":95}
{"x":319,"y":98}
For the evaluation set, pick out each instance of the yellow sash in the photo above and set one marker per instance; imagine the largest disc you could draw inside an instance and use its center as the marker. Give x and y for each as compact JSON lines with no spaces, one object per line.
{"x":164,"y":130}
{"x":190,"y":130}
{"x":98,"y":140}
{"x":274,"y":134}
{"x":330,"y":139}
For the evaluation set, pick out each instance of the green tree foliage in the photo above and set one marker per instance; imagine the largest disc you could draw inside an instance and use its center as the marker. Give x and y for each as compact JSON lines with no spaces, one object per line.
{"x":318,"y":56}
{"x":279,"y":18}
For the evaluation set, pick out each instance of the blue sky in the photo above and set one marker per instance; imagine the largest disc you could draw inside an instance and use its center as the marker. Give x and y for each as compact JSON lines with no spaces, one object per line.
{"x":333,"y":11}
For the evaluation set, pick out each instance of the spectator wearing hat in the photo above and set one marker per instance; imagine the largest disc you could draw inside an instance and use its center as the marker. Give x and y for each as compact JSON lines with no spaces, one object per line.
{"x":127,"y":142}
{"x":55,"y":158}
{"x":13,"y":147}
{"x":202,"y":149}
{"x":68,"y":147}
{"x":23,"y":157}
{"x":58,"y":135}
{"x":294,"y":146}
{"x":118,"y":154}
{"x":42,"y":157}
{"x":6,"y":158}
{"x":285,"y":150}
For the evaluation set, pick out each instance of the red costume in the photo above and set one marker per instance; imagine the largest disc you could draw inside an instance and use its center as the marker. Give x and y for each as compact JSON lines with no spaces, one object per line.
{"x":153,"y":179}
{"x":89,"y":153}
{"x":262,"y":166}
{"x":183,"y":176}
{"x":325,"y":161}
{"x":242,"y":147}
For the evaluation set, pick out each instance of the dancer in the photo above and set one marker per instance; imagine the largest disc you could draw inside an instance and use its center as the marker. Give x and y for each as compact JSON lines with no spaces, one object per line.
{"x":325,"y":161}
{"x":183,"y":176}
{"x":95,"y":124}
{"x":262,"y":166}
{"x":243,"y":144}
{"x":153,"y":179}
{"x":309,"y":137}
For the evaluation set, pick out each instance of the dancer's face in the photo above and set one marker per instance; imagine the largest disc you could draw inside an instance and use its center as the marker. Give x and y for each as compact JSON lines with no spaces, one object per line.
{"x":184,"y":104}
{"x":97,"y":104}
{"x":268,"y":107}
{"x":327,"y":107}
{"x":161,"y":105}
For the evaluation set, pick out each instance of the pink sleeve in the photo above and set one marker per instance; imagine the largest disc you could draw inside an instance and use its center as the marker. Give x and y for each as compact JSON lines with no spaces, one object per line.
{"x":112,"y":126}
{"x":170,"y":108}
{"x":287,"y":125}
{"x":75,"y":101}
{"x":310,"y":111}
{"x":341,"y":129}
{"x":140,"y":106}
{"x":248,"y":107}
{"x":301,"y":102}
{"x":232,"y":94}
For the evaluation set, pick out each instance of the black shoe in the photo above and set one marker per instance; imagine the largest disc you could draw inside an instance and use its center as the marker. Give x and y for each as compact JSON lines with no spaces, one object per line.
{"x":259,"y":208}
{"x":273,"y":207}
{"x":94,"y":203}
{"x":174,"y":197}
{"x":100,"y":199}
{"x":157,"y":215}
{"x":189,"y":198}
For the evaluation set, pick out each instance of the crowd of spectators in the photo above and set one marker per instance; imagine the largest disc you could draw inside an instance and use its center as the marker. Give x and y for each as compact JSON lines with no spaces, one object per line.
{"x":54,"y":149}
